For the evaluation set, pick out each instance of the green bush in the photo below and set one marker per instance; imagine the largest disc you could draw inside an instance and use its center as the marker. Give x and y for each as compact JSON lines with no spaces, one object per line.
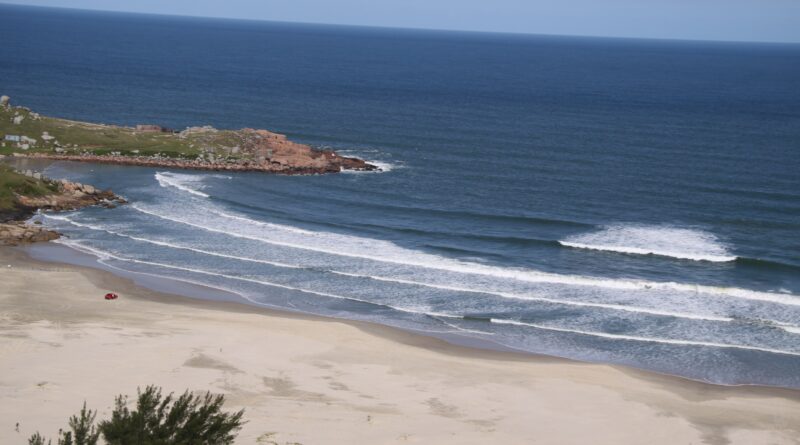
{"x":186,"y":420}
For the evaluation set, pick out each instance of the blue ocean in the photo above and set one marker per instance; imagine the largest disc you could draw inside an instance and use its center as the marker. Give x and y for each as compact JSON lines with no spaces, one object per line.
{"x":633,"y":202}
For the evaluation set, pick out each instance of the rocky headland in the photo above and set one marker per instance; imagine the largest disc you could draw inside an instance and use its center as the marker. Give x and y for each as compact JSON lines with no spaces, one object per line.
{"x":49,"y":196}
{"x":25,"y":133}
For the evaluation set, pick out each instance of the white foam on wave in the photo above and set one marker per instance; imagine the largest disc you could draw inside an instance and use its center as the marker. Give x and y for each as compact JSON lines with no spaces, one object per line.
{"x":688,"y":244}
{"x":508,"y":295}
{"x":185,"y":183}
{"x":103,"y":255}
{"x":169,"y":245}
{"x":383,"y":167}
{"x":786,"y":327}
{"x":387,"y":252}
{"x":669,"y":341}
{"x":261,"y":223}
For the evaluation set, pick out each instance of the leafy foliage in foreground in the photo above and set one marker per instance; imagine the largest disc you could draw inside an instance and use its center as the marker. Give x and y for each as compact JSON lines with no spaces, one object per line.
{"x":188,"y":419}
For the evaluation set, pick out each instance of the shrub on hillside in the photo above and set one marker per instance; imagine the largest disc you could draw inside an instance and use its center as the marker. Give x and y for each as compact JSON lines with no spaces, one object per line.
{"x":186,"y":420}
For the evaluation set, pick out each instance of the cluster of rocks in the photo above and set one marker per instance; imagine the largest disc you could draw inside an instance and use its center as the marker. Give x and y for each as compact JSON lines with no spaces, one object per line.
{"x":325,"y":162}
{"x":16,"y":233}
{"x":70,"y":196}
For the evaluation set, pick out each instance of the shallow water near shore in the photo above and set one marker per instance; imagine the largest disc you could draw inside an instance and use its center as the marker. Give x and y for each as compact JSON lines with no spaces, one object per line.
{"x":620,"y":201}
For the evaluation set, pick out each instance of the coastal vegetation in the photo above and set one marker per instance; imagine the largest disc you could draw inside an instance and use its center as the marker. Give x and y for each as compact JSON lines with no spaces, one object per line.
{"x":188,"y":419}
{"x":14,"y":184}
{"x":42,"y":134}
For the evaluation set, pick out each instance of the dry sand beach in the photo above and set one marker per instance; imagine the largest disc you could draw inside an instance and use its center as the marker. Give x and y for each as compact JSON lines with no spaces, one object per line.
{"x":319,"y":381}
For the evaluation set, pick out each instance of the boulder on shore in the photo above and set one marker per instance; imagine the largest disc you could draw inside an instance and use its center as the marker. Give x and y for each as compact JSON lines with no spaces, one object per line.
{"x":70,"y":196}
{"x":14,"y":234}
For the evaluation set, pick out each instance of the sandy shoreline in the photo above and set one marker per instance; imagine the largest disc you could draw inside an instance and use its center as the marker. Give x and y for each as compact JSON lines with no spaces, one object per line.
{"x":312,"y":380}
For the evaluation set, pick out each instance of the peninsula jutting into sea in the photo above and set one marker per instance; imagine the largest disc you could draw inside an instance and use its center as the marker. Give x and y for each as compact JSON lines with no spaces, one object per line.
{"x":29,"y":134}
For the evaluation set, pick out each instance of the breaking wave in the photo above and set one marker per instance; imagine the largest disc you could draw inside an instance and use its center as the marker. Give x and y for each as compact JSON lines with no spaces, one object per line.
{"x":387,"y":252}
{"x":674,"y":242}
{"x":185,"y":183}
{"x":668,"y":341}
{"x":508,"y":295}
{"x":104,"y":255}
{"x":383,"y":167}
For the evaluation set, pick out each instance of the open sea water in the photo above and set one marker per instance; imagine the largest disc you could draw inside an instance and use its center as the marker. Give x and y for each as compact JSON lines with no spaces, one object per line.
{"x":633,"y":202}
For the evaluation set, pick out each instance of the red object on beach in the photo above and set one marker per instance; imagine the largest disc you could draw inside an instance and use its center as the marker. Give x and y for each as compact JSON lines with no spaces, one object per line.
{"x":111,"y":296}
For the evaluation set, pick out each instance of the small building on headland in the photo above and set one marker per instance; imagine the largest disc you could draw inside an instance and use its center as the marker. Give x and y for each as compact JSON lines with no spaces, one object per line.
{"x":149,"y":128}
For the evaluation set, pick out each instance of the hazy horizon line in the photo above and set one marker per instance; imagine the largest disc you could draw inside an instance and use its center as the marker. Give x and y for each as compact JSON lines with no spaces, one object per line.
{"x":402,"y":28}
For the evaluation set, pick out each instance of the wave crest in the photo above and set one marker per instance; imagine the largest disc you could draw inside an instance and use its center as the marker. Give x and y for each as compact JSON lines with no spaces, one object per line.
{"x":180,"y":182}
{"x":674,"y":242}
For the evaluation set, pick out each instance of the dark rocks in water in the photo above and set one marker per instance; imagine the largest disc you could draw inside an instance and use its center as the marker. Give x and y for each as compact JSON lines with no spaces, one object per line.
{"x":17,"y":213}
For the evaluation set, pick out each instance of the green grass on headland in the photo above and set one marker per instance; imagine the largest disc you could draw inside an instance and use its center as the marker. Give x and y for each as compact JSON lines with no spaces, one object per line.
{"x":12,"y":183}
{"x":79,"y":137}
{"x":62,"y":136}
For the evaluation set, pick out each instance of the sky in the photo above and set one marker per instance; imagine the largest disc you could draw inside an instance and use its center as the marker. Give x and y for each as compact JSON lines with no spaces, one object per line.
{"x":733,"y":20}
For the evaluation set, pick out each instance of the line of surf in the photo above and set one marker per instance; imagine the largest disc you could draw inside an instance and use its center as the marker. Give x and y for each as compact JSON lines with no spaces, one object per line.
{"x":515,"y":274}
{"x":165,"y":181}
{"x":641,"y":251}
{"x":101,"y":254}
{"x":107,"y":255}
{"x":666,"y":241}
{"x":616,"y":307}
{"x":645,"y":339}
{"x":508,"y":295}
{"x":261,"y":223}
